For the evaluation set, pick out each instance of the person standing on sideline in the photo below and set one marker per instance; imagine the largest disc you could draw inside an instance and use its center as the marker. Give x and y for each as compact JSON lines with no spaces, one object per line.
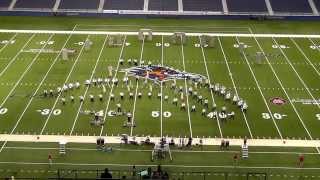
{"x":301,"y":160}
{"x":50,"y":160}
{"x":235,"y":159}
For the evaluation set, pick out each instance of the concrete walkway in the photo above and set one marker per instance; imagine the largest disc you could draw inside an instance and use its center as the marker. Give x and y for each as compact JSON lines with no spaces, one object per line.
{"x":117,"y":140}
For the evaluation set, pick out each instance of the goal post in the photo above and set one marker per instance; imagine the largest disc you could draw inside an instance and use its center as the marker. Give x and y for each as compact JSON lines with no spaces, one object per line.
{"x":115,"y":40}
{"x":178,"y":38}
{"x":142,"y":33}
{"x":207,"y":41}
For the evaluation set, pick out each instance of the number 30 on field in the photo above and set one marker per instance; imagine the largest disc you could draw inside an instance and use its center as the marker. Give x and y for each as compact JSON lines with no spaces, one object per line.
{"x":275,"y":115}
{"x":46,"y":112}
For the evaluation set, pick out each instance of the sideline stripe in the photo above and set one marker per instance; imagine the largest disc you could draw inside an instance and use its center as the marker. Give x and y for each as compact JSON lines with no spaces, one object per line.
{"x":159,"y":33}
{"x":163,"y":165}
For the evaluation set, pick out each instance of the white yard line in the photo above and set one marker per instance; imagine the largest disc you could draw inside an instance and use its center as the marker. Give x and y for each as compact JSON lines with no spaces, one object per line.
{"x":186,"y":89}
{"x":87,"y":88}
{"x":158,"y":33}
{"x":16,"y":56}
{"x":66,"y":80}
{"x":161,"y":89}
{"x":22,"y":76}
{"x":259,"y":88}
{"x":15,"y":35}
{"x":305,"y":56}
{"x":208,"y":76}
{"x":136,"y":91}
{"x":112,"y":85}
{"x":295,"y":71}
{"x":234,"y":85}
{"x":284,"y":90}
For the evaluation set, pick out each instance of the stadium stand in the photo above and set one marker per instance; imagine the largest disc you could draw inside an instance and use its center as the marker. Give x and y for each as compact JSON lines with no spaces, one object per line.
{"x":317,"y":3}
{"x":163,"y":5}
{"x":243,"y":6}
{"x":202,"y":5}
{"x":34,"y":4}
{"x":4,"y":4}
{"x":291,"y":6}
{"x":123,"y":4}
{"x":79,"y":4}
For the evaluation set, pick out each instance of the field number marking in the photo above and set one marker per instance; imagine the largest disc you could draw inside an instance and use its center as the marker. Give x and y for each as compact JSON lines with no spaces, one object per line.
{"x":315,"y":47}
{"x":7,"y":41}
{"x":46,"y":112}
{"x":281,"y":46}
{"x":156,"y":114}
{"x":46,"y":42}
{"x":277,"y":116}
{"x":158,"y":44}
{"x":318,"y":116}
{"x":3,"y":111}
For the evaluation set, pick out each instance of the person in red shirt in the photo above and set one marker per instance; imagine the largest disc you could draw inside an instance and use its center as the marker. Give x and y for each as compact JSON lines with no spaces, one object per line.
{"x":301,"y":160}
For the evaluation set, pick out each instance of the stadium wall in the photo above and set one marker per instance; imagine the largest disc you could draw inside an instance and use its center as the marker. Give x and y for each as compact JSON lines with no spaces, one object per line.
{"x":174,"y":16}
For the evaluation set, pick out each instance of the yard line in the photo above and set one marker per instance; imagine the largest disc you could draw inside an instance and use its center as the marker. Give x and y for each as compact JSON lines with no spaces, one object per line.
{"x":57,"y":99}
{"x":15,"y":57}
{"x":294,"y":69}
{"x":284,"y":90}
{"x":234,"y":85}
{"x":112,"y":85}
{"x":15,"y":35}
{"x":161,"y":89}
{"x":24,"y":73}
{"x":87,"y":88}
{"x":259,"y":88}
{"x":22,"y":76}
{"x":305,"y":56}
{"x":137,"y":85}
{"x":205,"y":64}
{"x":186,"y":88}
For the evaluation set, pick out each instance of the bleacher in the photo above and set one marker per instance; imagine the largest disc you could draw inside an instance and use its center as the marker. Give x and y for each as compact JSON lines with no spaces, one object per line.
{"x":34,"y":4}
{"x":202,"y":5}
{"x":254,"y":6}
{"x":317,"y":4}
{"x":4,"y":4}
{"x":79,"y":4}
{"x":123,"y":4}
{"x":291,"y":6}
{"x":163,"y":5}
{"x":168,"y":7}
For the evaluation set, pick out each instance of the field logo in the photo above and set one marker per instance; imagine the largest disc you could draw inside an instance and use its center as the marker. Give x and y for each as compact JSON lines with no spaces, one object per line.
{"x":278,"y":101}
{"x":160,"y":73}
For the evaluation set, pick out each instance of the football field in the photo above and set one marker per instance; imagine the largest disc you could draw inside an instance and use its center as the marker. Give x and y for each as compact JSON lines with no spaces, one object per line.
{"x":281,"y":89}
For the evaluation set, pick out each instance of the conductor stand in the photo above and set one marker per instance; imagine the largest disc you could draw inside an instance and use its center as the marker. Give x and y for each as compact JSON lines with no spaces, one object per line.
{"x":160,"y":150}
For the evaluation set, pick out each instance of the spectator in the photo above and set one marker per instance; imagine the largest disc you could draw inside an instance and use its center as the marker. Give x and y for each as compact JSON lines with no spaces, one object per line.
{"x":106,"y":174}
{"x":301,"y":160}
